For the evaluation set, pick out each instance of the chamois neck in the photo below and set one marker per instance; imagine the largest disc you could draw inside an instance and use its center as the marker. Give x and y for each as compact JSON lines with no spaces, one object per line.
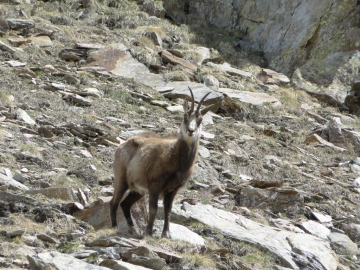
{"x":187,"y":151}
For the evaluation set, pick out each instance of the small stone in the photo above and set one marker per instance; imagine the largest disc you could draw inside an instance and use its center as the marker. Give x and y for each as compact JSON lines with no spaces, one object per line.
{"x":85,"y":153}
{"x":176,"y":108}
{"x":24,"y":170}
{"x":357,"y":182}
{"x":204,"y":152}
{"x":46,"y":238}
{"x":17,"y":233}
{"x":160,"y":103}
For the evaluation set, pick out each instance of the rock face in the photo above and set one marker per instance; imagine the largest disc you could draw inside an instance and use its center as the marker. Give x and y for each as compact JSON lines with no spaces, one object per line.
{"x":289,"y":32}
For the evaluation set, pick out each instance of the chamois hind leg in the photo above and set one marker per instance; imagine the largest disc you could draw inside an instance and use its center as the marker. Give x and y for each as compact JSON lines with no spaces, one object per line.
{"x":153,"y":206}
{"x":120,"y":187}
{"x":126,"y":204}
{"x":168,"y":201}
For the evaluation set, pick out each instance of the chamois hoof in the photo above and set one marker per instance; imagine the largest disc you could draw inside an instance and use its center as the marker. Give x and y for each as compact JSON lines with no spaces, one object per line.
{"x":135,"y":232}
{"x":166,"y":235}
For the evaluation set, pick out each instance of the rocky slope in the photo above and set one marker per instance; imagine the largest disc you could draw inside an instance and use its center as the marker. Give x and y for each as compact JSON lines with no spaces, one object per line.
{"x":276,"y":183}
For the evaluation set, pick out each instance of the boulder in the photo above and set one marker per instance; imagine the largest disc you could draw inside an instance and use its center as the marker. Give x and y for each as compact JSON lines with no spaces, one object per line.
{"x":269,"y":76}
{"x":116,"y":59}
{"x":167,"y":57}
{"x":253,"y":98}
{"x":145,"y":257}
{"x":181,"y":90}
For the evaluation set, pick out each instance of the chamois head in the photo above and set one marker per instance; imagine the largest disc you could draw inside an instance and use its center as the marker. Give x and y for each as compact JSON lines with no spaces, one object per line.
{"x":190,"y":128}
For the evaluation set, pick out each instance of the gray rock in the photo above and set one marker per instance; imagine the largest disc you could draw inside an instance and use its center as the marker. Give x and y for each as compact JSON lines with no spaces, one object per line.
{"x":251,"y":97}
{"x":16,"y":24}
{"x":6,"y":47}
{"x":354,"y":138}
{"x":23,"y":116}
{"x":12,"y":183}
{"x":63,"y":193}
{"x":118,"y":61}
{"x":83,"y":254}
{"x":9,"y":197}
{"x":269,"y":76}
{"x":353,"y":231}
{"x":282,"y":243}
{"x":180,"y":233}
{"x":155,"y":37}
{"x":203,"y":152}
{"x":145,"y":257}
{"x":321,"y":217}
{"x":17,"y":233}
{"x":41,"y":41}
{"x":181,"y":90}
{"x":59,"y":261}
{"x":167,"y":57}
{"x":110,"y":252}
{"x":342,"y":244}
{"x":46,"y":238}
{"x":212,"y":83}
{"x":230,"y":70}
{"x":274,"y":198}
{"x":286,"y":225}
{"x":204,"y":53}
{"x":316,"y":229}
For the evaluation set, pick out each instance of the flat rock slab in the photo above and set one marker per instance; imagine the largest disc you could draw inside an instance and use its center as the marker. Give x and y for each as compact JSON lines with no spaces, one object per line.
{"x":167,"y":57}
{"x":181,"y":90}
{"x":316,"y":229}
{"x":251,"y":97}
{"x":282,"y":243}
{"x":344,"y":243}
{"x":230,"y":70}
{"x":118,"y":61}
{"x":179,"y":232}
{"x":59,"y":261}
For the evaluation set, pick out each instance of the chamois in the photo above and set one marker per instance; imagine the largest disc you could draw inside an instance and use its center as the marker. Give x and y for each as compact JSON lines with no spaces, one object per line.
{"x":148,"y":163}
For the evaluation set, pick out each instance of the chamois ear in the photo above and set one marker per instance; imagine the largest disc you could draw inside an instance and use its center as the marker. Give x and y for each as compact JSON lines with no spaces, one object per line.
{"x":186,"y":105}
{"x":205,"y":110}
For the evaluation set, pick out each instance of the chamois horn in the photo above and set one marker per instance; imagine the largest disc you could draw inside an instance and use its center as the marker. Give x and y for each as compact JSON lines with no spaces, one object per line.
{"x":192,"y":100}
{"x":201,"y":101}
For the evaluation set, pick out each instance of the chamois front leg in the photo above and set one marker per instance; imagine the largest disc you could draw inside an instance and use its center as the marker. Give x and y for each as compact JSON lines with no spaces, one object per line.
{"x":168,"y":201}
{"x":153,"y":206}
